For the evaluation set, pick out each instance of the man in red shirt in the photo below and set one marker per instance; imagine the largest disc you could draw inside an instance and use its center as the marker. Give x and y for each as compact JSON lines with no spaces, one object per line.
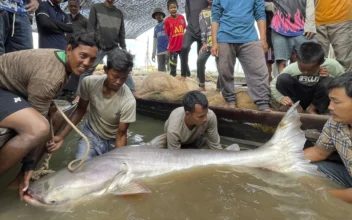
{"x":175,"y":25}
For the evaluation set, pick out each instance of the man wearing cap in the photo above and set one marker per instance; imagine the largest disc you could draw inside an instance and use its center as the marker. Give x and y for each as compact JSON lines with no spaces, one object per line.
{"x":160,"y":41}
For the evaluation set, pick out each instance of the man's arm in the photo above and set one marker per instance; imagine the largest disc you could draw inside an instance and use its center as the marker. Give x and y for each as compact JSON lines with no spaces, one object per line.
{"x":212,"y":135}
{"x":309,"y":24}
{"x":122,"y":40}
{"x":344,"y":194}
{"x":260,"y":17}
{"x":216,"y":14}
{"x":92,"y":20}
{"x":173,"y":140}
{"x":155,"y":44}
{"x":75,"y":118}
{"x":121,"y":135}
{"x":188,"y":11}
{"x":64,"y":27}
{"x":275,"y":94}
{"x":46,"y":23}
{"x":316,"y":153}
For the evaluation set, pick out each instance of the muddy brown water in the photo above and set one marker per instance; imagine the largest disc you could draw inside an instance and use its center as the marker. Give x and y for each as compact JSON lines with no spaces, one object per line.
{"x":214,"y":192}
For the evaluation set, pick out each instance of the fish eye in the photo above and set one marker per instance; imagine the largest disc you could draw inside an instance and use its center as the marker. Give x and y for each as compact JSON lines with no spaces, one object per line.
{"x":53,"y":202}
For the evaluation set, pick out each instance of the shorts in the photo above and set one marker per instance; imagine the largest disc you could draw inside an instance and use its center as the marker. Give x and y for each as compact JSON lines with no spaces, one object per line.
{"x":284,"y":46}
{"x":11,"y":103}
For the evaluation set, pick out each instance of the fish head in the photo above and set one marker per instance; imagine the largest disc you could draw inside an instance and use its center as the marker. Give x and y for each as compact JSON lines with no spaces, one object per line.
{"x":55,"y":190}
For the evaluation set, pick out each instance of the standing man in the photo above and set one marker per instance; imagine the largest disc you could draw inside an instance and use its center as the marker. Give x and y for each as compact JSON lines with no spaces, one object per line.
{"x":52,"y":24}
{"x":107,"y":20}
{"x":112,"y":107}
{"x":234,"y":36}
{"x":334,"y":26}
{"x":205,"y":19}
{"x":293,"y":24}
{"x":192,"y":34}
{"x":160,"y":41}
{"x":15,"y":26}
{"x":79,"y":23}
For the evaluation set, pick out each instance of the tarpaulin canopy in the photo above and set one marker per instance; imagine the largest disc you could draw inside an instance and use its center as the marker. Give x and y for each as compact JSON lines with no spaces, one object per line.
{"x":137,"y":13}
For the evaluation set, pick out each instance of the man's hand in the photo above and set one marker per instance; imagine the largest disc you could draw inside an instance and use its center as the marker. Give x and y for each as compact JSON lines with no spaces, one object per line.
{"x":265,"y":45}
{"x":32,"y":6}
{"x":167,"y":53}
{"x":323,"y":72}
{"x":203,"y":48}
{"x":309,"y":35}
{"x":215,"y":49}
{"x":153,"y":57}
{"x":55,"y":144}
{"x":24,"y":183}
{"x":286,"y":101}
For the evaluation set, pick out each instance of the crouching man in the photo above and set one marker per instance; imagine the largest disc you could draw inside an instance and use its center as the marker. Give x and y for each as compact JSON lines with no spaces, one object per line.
{"x":112,"y":108}
{"x":306,"y":80}
{"x":193,"y":125}
{"x":337,"y":136}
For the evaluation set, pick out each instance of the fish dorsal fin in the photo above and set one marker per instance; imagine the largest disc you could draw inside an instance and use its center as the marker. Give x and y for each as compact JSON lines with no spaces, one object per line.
{"x":131,"y":188}
{"x":158,"y":141}
{"x":233,"y":147}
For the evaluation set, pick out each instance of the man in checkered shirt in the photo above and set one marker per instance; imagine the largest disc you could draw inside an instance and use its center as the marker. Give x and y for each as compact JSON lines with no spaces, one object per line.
{"x":337,"y":136}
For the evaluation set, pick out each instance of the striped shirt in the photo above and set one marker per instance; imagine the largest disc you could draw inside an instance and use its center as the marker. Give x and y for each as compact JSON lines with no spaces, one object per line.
{"x":336,"y":137}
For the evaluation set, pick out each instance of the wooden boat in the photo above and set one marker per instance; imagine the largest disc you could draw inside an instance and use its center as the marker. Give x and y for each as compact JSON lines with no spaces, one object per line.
{"x":242,"y":125}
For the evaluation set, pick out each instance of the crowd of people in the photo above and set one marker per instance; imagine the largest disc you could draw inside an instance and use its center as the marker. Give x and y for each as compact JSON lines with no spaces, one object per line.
{"x":71,"y":46}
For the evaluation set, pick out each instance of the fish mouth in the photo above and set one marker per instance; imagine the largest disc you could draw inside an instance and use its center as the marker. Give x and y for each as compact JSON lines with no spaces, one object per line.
{"x":30,"y":199}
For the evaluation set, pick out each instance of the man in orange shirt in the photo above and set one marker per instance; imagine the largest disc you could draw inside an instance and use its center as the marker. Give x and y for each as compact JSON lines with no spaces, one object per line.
{"x":334,"y":26}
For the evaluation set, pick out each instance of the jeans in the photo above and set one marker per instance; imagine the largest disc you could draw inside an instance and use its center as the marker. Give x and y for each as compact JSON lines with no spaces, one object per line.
{"x":336,"y":172}
{"x":173,"y":62}
{"x":163,"y":63}
{"x":15,"y":32}
{"x":201,"y":61}
{"x":188,"y":40}
{"x":98,"y":145}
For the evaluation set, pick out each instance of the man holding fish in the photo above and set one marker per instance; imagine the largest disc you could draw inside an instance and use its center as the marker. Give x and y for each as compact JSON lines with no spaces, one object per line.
{"x":337,"y":136}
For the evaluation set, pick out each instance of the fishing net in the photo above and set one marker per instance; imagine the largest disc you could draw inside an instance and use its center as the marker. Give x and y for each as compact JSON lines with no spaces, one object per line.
{"x":164,"y":87}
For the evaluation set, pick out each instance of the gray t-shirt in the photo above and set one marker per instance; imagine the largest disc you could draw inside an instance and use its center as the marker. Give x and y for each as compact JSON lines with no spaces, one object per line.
{"x":178,"y":133}
{"x":106,"y":113}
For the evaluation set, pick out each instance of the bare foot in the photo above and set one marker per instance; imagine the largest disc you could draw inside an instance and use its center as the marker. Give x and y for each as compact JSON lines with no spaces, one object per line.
{"x":228,"y":105}
{"x":182,"y":79}
{"x":201,"y":89}
{"x":267,"y":110}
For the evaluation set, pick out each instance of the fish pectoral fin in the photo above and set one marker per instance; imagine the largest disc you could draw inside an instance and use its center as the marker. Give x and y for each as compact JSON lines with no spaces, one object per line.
{"x":131,"y":188}
{"x":233,"y":147}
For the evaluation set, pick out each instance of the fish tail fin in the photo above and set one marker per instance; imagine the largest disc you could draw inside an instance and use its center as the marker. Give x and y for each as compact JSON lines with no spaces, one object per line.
{"x":287,"y":144}
{"x":158,"y":141}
